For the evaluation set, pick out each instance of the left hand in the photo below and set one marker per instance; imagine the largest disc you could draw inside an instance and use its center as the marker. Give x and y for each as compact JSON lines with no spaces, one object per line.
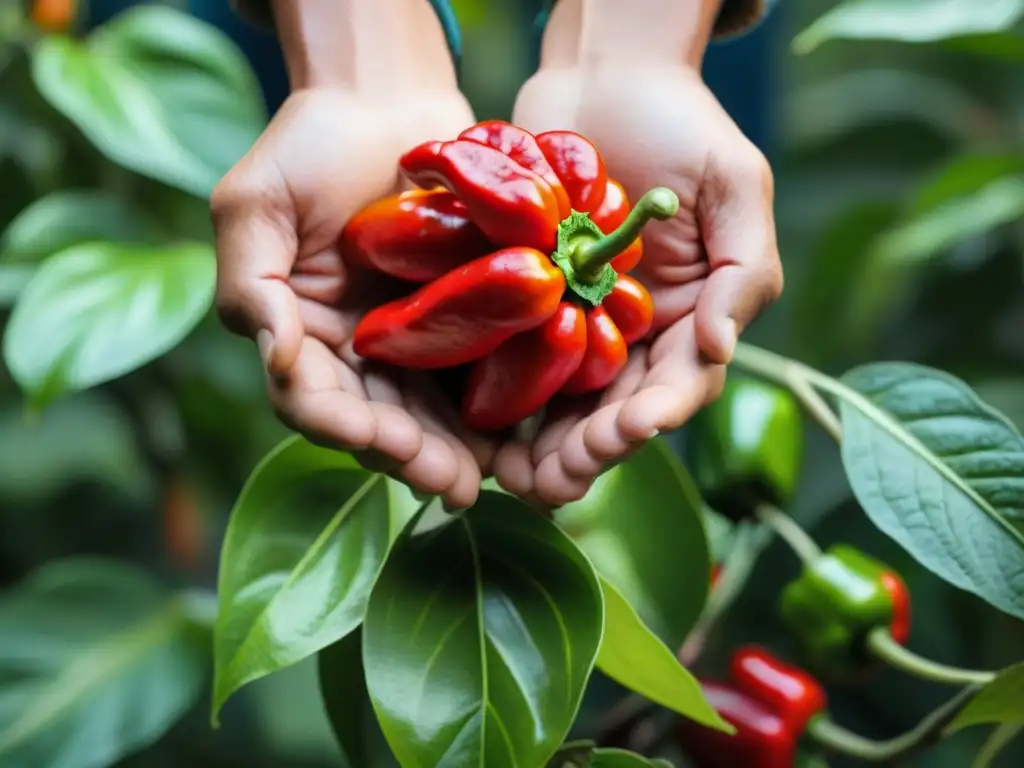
{"x":711,"y":270}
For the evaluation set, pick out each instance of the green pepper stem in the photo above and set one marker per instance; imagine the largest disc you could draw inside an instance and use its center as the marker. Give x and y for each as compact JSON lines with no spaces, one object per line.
{"x":885,"y":648}
{"x":834,"y":738}
{"x":590,"y":256}
{"x":789,"y":530}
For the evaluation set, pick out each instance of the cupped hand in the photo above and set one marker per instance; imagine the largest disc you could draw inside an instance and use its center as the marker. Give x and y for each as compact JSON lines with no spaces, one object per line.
{"x":278,"y":215}
{"x":710,"y":270}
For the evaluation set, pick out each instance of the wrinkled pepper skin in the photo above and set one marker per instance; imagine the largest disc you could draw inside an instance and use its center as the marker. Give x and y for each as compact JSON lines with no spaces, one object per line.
{"x":511,"y":204}
{"x":768,"y":702}
{"x":417,"y":236}
{"x":613,"y":211}
{"x":580,"y":167}
{"x":605,"y":356}
{"x":521,"y":146}
{"x":746,"y":448}
{"x":518,"y":378}
{"x":837,"y":599}
{"x":465,"y":314}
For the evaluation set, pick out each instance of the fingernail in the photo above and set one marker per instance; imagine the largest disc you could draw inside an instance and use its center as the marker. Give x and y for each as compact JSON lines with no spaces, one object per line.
{"x":265,"y":344}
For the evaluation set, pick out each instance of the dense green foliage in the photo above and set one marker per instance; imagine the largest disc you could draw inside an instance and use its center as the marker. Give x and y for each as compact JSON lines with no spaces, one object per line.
{"x":324,"y":613}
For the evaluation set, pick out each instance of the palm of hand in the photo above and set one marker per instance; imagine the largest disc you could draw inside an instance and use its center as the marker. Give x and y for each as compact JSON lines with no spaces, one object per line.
{"x":710,"y":270}
{"x":278,"y":216}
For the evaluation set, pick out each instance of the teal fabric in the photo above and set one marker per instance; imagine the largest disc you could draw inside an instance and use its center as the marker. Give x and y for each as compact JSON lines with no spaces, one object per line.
{"x":450,"y":24}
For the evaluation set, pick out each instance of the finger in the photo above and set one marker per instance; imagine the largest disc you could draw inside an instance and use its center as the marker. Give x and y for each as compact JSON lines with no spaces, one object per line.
{"x":561,"y":417}
{"x":739,"y":235}
{"x":555,"y":487}
{"x":399,"y":436}
{"x":514,"y":469}
{"x":256,"y":249}
{"x":312,"y":400}
{"x":458,"y":475}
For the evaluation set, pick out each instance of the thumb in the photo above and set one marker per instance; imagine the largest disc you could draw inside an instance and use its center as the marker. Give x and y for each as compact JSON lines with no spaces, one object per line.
{"x":738,"y":226}
{"x":256,"y":250}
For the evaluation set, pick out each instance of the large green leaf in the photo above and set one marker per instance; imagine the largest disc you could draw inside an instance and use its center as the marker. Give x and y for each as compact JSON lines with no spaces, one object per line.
{"x":909,"y":21}
{"x":963,"y":176}
{"x":641,"y":525}
{"x":303,"y":546}
{"x":634,"y":657}
{"x":480,"y":638}
{"x":97,"y":662}
{"x":1001,"y":701}
{"x":156,"y":91}
{"x":939,"y":472}
{"x":72,"y":216}
{"x":346,"y":700}
{"x":620,"y":758}
{"x":99,"y":310}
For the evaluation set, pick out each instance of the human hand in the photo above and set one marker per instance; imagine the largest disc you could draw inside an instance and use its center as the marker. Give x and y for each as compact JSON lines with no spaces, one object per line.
{"x":711,"y":270}
{"x":278,"y":215}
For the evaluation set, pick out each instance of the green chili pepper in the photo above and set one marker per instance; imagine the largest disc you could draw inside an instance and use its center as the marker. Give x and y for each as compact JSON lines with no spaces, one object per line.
{"x":837,"y":599}
{"x":747,"y":447}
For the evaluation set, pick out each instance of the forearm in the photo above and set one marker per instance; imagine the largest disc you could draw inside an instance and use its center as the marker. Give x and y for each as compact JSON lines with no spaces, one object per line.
{"x":653,"y":31}
{"x":374,"y":46}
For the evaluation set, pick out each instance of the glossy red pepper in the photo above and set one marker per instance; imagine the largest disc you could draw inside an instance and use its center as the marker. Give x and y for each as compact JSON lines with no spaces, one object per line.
{"x":514,"y":381}
{"x":768,"y":702}
{"x":515,"y":189}
{"x":417,"y":236}
{"x":465,"y":314}
{"x":513,"y":205}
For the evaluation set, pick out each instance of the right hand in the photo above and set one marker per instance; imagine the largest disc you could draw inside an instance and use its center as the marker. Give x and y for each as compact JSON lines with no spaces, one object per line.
{"x":278,"y":215}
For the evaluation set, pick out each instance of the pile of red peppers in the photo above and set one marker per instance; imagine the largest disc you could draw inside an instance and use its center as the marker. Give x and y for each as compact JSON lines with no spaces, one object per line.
{"x":520,"y":245}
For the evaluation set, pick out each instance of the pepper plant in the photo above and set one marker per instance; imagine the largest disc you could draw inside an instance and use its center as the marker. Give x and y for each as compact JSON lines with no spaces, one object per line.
{"x":499,"y":635}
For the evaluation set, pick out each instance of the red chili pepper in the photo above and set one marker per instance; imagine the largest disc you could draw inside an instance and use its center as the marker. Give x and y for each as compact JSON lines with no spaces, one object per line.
{"x":514,"y":188}
{"x":768,"y":702}
{"x":630,"y":306}
{"x":604,"y":358}
{"x":466,"y":314}
{"x":580,"y":167}
{"x":897,"y":590}
{"x":613,"y":211}
{"x":511,"y":204}
{"x":417,"y":236}
{"x":521,"y":146}
{"x":517,"y":379}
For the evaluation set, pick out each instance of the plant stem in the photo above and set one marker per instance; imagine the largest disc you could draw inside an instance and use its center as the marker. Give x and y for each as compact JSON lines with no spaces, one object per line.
{"x":835,"y":738}
{"x":789,"y":530}
{"x":797,"y":377}
{"x":885,"y":648}
{"x":589,"y":257}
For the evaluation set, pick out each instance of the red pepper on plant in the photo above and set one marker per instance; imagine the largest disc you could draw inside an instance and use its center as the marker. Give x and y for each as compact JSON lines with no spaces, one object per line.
{"x":514,"y":188}
{"x":768,"y":702}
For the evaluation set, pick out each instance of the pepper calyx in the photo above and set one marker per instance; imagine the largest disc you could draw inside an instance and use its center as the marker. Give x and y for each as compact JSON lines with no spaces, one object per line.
{"x":575,"y":229}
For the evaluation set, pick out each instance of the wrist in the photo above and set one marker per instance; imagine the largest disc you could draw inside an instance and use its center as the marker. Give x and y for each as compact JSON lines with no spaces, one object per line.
{"x":646,"y":32}
{"x":376,"y":47}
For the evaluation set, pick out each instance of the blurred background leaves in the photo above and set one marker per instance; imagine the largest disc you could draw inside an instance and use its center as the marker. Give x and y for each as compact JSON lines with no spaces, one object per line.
{"x":897,"y":142}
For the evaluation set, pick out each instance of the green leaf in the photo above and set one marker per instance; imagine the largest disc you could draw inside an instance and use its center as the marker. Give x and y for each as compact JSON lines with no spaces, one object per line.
{"x":97,"y":662}
{"x":634,"y":657}
{"x":998,"y":740}
{"x":831,"y":108}
{"x":99,"y":310}
{"x":73,"y":216}
{"x":343,"y":689}
{"x":932,"y":233}
{"x":1001,"y":701}
{"x":14,"y":278}
{"x":480,"y":638}
{"x":963,"y":176}
{"x":303,"y":546}
{"x":940,"y":473}
{"x":158,"y":92}
{"x":909,"y":21}
{"x":661,"y":563}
